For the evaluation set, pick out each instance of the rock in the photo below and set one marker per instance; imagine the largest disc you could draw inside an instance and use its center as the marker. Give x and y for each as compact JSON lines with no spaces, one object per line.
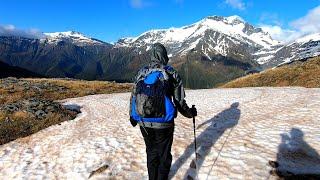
{"x":40,"y":114}
{"x":73,"y":107}
{"x":7,"y":120}
{"x":8,"y":83}
{"x":10,"y":108}
{"x":34,"y":103}
{"x":90,"y":92}
{"x":30,"y":110}
{"x":33,"y":106}
{"x":36,"y":106}
{"x":11,"y":91}
{"x":12,"y":80}
{"x":50,"y":108}
{"x":41,"y":105}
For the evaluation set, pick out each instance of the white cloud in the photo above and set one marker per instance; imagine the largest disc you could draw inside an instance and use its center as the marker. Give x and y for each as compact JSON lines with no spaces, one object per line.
{"x":11,"y":30}
{"x":280,"y":34}
{"x":237,"y":4}
{"x":308,"y":24}
{"x":9,"y":27}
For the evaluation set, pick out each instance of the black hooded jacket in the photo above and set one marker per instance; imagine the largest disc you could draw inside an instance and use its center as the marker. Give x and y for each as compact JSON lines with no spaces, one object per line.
{"x":159,"y":59}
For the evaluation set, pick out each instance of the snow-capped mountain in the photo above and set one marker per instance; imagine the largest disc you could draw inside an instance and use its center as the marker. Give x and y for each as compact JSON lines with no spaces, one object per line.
{"x":228,"y":37}
{"x":209,"y":52}
{"x":212,"y":35}
{"x":72,"y":37}
{"x":302,"y":48}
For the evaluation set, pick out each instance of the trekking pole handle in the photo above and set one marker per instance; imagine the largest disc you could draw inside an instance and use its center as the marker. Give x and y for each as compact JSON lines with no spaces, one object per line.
{"x":194,"y":106}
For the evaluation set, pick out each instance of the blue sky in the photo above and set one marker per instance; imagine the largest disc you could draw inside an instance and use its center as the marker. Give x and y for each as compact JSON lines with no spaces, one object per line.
{"x":110,"y":20}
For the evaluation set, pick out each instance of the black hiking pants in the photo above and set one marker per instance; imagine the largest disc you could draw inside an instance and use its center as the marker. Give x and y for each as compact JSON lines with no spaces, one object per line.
{"x":158,"y":146}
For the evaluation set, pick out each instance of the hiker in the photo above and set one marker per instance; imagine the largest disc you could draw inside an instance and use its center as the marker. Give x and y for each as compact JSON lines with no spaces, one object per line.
{"x":157,"y":95}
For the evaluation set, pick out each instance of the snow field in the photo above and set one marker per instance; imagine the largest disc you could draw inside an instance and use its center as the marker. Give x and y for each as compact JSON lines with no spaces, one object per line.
{"x":239,"y":131}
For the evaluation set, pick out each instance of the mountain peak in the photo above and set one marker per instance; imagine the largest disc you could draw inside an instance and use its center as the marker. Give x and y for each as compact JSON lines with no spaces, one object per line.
{"x":220,"y":31}
{"x":65,"y":34}
{"x":235,"y":19}
{"x":71,"y":36}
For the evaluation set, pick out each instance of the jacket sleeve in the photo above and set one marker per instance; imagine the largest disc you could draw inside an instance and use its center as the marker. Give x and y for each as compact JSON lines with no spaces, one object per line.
{"x":132,"y":94}
{"x":133,"y":91}
{"x":179,"y":94}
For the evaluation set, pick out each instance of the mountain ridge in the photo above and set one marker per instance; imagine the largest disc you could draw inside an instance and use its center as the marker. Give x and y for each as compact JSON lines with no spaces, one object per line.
{"x":213,"y":50}
{"x":73,"y":36}
{"x":234,"y":27}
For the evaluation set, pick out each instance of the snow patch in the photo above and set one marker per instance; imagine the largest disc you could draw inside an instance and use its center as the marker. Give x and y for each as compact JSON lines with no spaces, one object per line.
{"x":231,"y":19}
{"x":102,"y":135}
{"x":308,"y":38}
{"x":74,"y":37}
{"x":264,"y":59}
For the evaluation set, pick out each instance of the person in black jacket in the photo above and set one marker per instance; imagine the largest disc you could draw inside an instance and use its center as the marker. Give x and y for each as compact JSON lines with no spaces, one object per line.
{"x":158,"y":137}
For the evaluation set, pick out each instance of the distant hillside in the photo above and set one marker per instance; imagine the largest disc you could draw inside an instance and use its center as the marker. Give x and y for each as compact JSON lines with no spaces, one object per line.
{"x":300,"y":73}
{"x":12,"y":71}
{"x":207,"y":53}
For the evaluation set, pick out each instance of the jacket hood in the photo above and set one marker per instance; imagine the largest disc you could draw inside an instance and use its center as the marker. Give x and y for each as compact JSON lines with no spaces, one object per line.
{"x":159,"y":54}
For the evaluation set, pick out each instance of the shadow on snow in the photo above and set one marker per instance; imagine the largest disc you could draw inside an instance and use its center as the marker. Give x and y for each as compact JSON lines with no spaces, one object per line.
{"x":296,"y":159}
{"x":226,"y":119}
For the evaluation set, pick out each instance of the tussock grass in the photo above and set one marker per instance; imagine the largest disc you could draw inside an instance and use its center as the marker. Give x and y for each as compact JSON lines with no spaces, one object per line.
{"x":2,"y":116}
{"x":78,"y":88}
{"x":304,"y":74}
{"x":72,"y":88}
{"x":22,"y":123}
{"x":20,"y":115}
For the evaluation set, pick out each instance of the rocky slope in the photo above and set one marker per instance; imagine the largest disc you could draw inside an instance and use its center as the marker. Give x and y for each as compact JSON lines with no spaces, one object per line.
{"x":66,"y":57}
{"x":302,"y":48}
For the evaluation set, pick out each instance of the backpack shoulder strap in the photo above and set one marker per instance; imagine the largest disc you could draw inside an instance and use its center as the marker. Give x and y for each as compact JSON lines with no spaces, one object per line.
{"x":141,"y":74}
{"x":168,"y":68}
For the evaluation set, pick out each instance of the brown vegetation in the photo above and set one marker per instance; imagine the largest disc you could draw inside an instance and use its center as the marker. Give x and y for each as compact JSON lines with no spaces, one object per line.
{"x":77,"y":88}
{"x":304,"y":74}
{"x":69,"y":89}
{"x":21,"y":123}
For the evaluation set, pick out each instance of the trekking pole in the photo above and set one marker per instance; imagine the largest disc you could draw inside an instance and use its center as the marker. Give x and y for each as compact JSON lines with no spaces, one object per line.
{"x":194,"y":161}
{"x":195,"y":139}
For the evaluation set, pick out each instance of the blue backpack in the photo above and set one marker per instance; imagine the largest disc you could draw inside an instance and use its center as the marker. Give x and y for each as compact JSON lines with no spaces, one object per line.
{"x":151,"y":102}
